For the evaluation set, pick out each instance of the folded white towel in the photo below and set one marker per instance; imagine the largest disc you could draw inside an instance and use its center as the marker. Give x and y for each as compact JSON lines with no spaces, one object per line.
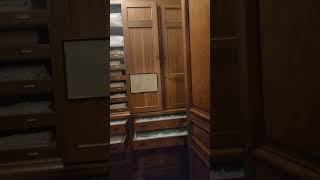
{"x":116,"y":54}
{"x":118,"y":106}
{"x":115,"y":19}
{"x":116,"y":41}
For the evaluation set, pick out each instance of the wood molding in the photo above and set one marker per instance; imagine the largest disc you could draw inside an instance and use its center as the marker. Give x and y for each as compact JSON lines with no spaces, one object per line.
{"x":287,"y":164}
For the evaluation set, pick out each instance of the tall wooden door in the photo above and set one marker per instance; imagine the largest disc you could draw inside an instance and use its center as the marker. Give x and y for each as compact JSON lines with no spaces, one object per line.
{"x":173,"y":56}
{"x":142,"y":52}
{"x":289,"y":42}
{"x":83,"y":132}
{"x":196,"y":21}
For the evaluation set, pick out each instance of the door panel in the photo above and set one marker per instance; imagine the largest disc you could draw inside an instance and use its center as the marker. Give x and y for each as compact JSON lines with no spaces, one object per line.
{"x":173,"y":56}
{"x":196,"y":29}
{"x":142,"y":51}
{"x":83,"y":132}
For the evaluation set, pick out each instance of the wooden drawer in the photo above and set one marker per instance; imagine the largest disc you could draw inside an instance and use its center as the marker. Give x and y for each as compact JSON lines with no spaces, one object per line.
{"x":118,"y":110}
{"x":201,"y":135}
{"x":27,"y":121}
{"x":117,"y":67}
{"x":163,"y":124}
{"x":27,"y":18}
{"x":25,"y":53}
{"x":118,"y":78}
{"x":157,"y":159}
{"x":159,"y":143}
{"x":25,"y":87}
{"x":118,"y":89}
{"x":28,"y":154}
{"x":119,"y":128}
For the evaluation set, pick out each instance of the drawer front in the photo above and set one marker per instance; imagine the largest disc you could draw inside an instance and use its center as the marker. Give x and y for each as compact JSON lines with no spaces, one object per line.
{"x":118,"y":129}
{"x":38,"y":52}
{"x":27,"y":154}
{"x":152,"y":160}
{"x":24,"y":88}
{"x":159,"y":143}
{"x":27,"y":122}
{"x":158,"y":125}
{"x":201,"y":135}
{"x":25,"y":18}
{"x":118,"y":100}
{"x":117,"y":148}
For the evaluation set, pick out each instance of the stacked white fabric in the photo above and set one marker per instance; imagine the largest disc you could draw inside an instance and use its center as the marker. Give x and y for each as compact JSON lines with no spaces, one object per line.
{"x":115,"y":20}
{"x":118,"y":95}
{"x":161,"y":118}
{"x":116,"y":41}
{"x":117,"y":85}
{"x":17,"y":141}
{"x":118,"y":122}
{"x":115,"y":63}
{"x":118,"y":106}
{"x":25,"y":108}
{"x":160,"y":134}
{"x":15,"y":5}
{"x":24,"y":73}
{"x":116,"y":54}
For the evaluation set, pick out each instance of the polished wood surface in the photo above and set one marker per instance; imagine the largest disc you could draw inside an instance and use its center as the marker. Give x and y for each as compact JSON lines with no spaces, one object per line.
{"x":87,"y":119}
{"x":173,"y":56}
{"x":142,"y":51}
{"x":196,"y":40}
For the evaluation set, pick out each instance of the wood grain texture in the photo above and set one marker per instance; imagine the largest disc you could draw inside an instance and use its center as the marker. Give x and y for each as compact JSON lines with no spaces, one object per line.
{"x":171,"y":19}
{"x":142,"y":51}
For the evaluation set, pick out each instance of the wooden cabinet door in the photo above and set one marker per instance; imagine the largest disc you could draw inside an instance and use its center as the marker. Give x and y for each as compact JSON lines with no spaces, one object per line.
{"x":142,"y":52}
{"x":196,"y":22}
{"x":82,"y":132}
{"x":83,"y":19}
{"x":173,"y":56}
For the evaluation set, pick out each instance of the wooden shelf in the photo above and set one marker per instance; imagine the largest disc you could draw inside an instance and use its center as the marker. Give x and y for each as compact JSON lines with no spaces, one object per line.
{"x":25,"y":53}
{"x":118,"y":78}
{"x":158,"y":125}
{"x":25,"y":87}
{"x":22,"y":122}
{"x":118,"y":89}
{"x":121,"y":115}
{"x":28,"y":18}
{"x":118,"y":100}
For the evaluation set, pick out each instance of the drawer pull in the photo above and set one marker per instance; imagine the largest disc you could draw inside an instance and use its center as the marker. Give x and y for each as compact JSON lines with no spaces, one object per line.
{"x":118,"y":77}
{"x":32,"y":120}
{"x":29,"y":86}
{"x":93,"y":145}
{"x":185,"y":124}
{"x":23,"y":17}
{"x":26,"y":51}
{"x":33,"y":154}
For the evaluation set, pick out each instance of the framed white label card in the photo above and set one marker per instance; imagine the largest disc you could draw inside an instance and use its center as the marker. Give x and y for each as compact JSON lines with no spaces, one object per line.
{"x":142,"y":83}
